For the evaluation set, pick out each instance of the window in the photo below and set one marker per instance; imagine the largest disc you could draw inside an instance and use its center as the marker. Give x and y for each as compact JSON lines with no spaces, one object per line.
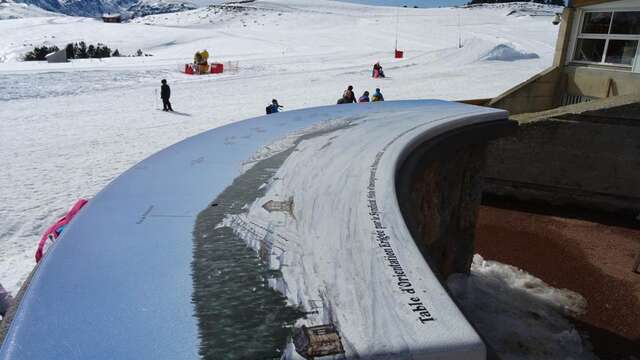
{"x":608,"y":38}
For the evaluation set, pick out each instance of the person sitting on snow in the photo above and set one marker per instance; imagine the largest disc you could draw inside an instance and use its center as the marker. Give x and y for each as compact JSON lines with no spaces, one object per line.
{"x":5,"y":301}
{"x":364,"y":98}
{"x":377,"y":70}
{"x":348,"y":96}
{"x":377,"y":96}
{"x":274,"y":107}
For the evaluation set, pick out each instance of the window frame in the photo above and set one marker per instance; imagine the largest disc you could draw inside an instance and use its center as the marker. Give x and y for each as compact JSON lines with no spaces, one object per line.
{"x":578,"y":34}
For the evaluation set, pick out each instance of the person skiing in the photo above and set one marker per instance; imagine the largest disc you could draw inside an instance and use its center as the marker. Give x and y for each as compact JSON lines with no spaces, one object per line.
{"x":377,"y":96}
{"x":165,"y":94}
{"x":274,"y":107}
{"x":364,"y":98}
{"x":348,"y":96}
{"x":5,"y":301}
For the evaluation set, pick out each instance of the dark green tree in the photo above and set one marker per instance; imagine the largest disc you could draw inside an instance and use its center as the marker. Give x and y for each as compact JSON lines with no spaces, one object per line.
{"x":102,"y":51}
{"x":82,"y":51}
{"x":115,"y":53}
{"x":39,"y":53}
{"x":70,"y":51}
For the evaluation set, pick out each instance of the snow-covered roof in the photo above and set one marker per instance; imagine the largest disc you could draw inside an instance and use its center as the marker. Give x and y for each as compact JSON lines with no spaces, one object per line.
{"x":313,"y":190}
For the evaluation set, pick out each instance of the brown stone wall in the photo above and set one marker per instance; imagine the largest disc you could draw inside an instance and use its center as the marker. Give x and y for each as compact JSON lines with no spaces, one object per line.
{"x":439,"y":188}
{"x":590,"y":161}
{"x":445,"y":197}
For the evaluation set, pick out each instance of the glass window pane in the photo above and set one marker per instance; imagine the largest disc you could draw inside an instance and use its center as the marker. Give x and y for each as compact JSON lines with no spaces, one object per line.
{"x":626,"y":22}
{"x":621,"y":51}
{"x":589,"y":50}
{"x":596,"y":23}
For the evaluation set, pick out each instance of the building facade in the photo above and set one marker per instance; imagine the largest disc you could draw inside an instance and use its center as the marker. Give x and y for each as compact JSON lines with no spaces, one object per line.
{"x":597,"y":56}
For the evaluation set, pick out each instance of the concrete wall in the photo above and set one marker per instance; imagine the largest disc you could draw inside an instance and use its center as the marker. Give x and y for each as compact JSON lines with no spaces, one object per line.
{"x":598,"y":82}
{"x":589,"y":160}
{"x":536,"y":94}
{"x":580,"y":3}
{"x":545,"y":90}
{"x":439,"y":190}
{"x":562,"y":43}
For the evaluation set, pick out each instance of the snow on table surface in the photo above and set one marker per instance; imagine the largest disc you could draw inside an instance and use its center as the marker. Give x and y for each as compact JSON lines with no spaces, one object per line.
{"x":111,"y":264}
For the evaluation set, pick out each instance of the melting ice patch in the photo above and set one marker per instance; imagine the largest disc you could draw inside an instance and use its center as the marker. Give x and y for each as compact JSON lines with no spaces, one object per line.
{"x":519,"y":315}
{"x":289,"y":141}
{"x":506,"y":52}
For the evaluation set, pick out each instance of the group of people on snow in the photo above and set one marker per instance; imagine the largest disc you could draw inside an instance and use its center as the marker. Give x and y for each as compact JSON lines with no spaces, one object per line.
{"x":348,"y":96}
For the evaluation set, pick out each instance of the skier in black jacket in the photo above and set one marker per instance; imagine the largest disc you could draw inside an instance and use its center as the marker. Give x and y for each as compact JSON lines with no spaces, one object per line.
{"x":165,"y":94}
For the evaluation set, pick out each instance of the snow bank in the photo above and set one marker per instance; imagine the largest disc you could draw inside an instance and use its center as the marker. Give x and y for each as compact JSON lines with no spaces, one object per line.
{"x":506,"y":52}
{"x":519,"y":315}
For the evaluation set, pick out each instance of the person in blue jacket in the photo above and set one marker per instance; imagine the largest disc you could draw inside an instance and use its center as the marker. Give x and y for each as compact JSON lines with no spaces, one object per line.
{"x":274,"y":107}
{"x":377,"y":96}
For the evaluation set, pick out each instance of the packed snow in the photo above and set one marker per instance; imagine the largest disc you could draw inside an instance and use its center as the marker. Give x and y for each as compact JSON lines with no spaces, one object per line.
{"x":520,"y":315}
{"x":505,"y":52}
{"x":68,"y":129}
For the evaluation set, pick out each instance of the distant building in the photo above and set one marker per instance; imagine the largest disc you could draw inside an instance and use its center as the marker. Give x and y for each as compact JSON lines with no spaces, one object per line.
{"x":597,"y":56}
{"x":59,"y":56}
{"x":112,"y":18}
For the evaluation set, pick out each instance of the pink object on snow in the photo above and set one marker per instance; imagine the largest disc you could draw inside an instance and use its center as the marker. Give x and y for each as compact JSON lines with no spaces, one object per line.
{"x":54,"y":231}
